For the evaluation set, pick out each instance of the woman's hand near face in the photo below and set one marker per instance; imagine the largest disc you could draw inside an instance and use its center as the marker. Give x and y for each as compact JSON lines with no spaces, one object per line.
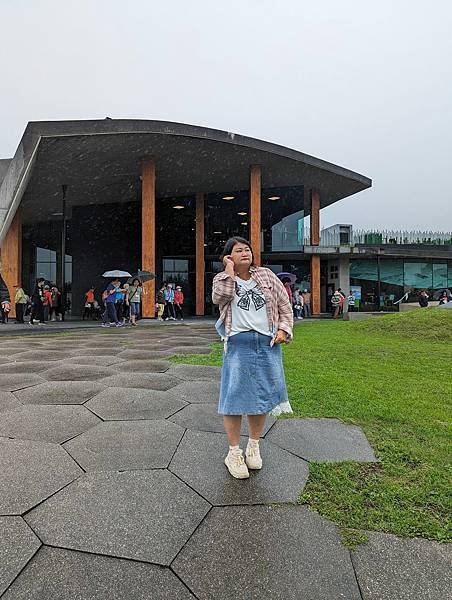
{"x":229,"y":265}
{"x":281,"y":337}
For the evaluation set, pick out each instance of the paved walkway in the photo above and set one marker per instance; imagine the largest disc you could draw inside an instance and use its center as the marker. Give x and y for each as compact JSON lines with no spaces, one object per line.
{"x":112,"y":485}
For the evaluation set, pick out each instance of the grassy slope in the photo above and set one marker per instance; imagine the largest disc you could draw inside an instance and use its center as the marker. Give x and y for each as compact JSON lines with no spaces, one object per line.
{"x":392,"y":376}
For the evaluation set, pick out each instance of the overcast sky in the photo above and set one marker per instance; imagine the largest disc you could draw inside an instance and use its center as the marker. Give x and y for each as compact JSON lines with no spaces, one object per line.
{"x":366,"y":85}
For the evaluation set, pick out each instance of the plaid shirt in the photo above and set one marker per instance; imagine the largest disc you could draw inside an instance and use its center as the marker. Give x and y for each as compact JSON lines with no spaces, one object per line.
{"x":279,"y":309}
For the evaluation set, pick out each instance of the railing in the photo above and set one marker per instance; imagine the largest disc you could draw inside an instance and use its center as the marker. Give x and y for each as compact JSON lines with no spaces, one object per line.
{"x":375,"y":237}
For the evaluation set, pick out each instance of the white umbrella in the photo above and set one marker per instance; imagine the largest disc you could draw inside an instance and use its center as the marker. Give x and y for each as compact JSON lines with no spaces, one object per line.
{"x":116,"y":274}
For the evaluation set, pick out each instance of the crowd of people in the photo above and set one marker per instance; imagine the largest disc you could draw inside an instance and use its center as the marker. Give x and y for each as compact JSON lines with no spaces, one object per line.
{"x":122,"y":303}
{"x":45,"y":303}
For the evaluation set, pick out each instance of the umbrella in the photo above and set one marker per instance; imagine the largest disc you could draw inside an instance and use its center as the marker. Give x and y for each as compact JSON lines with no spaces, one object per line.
{"x":292,"y":278}
{"x":142,"y":276}
{"x":116,"y":274}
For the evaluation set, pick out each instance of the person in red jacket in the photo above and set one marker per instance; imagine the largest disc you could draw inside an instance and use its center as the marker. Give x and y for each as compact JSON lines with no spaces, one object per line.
{"x":178,"y":302}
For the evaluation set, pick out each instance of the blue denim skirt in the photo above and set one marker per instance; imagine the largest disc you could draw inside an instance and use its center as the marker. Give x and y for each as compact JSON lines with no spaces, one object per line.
{"x":252,"y":376}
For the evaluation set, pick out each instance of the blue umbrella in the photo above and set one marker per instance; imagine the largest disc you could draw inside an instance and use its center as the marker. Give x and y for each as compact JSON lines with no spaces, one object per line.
{"x":292,"y":278}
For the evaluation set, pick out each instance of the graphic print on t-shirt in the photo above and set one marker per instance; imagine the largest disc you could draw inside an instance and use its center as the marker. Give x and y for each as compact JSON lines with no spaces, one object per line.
{"x":254,"y":295}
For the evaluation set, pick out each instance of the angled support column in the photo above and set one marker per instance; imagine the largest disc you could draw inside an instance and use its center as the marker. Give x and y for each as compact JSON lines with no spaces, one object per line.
{"x":200,"y":263}
{"x":255,"y":212}
{"x":315,"y":258}
{"x":11,"y":258}
{"x":148,"y":235}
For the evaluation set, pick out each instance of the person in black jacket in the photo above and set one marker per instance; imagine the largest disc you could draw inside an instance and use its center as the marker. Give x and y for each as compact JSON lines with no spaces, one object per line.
{"x":5,"y":300}
{"x":37,"y":307}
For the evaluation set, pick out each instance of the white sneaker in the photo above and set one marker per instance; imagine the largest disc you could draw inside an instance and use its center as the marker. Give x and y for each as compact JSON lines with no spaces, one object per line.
{"x":253,"y":456}
{"x":236,"y":465}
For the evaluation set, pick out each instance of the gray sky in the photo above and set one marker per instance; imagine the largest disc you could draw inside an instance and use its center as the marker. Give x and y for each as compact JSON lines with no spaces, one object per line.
{"x":366,"y":85}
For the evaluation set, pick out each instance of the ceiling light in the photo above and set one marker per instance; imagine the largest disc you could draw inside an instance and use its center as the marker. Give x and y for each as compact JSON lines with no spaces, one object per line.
{"x":245,"y":223}
{"x":274,"y":197}
{"x":178,"y":206}
{"x":228,"y":197}
{"x":217,"y":231}
{"x":57,"y":214}
{"x":242,"y":214}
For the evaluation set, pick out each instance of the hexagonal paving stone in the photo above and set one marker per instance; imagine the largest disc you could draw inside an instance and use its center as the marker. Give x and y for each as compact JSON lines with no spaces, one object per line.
{"x":43,"y":354}
{"x":18,"y":543}
{"x":76,"y":373}
{"x":132,"y":354}
{"x":96,"y":351}
{"x":205,"y":417}
{"x":142,"y":515}
{"x":125,"y":445}
{"x":322,"y":440}
{"x":393,"y":568}
{"x":199,"y":461}
{"x":31,"y":472}
{"x":58,"y":574}
{"x":197,"y":392}
{"x":288,"y":551}
{"x":8,"y":402}
{"x":195,"y":372}
{"x":149,"y":381}
{"x":28,"y":366}
{"x":193,"y":350}
{"x":98,"y":361}
{"x":129,"y":404}
{"x":18,"y":381}
{"x":7,"y":352}
{"x":60,"y":392}
{"x":46,"y":423}
{"x":143,"y":366}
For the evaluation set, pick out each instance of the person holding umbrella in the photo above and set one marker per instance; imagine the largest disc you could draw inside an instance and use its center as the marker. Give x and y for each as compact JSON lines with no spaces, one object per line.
{"x":109,"y":297}
{"x":134,"y":298}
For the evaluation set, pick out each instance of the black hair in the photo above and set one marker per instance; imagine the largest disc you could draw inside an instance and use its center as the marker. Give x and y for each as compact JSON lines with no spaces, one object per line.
{"x":136,"y":279}
{"x":232,"y":242}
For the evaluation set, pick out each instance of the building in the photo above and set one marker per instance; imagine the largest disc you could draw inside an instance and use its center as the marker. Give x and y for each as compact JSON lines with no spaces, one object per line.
{"x":164,"y":197}
{"x":159,"y":196}
{"x":384,"y":266}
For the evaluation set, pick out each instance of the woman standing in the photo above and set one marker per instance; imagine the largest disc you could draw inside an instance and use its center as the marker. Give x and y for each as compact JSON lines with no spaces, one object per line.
{"x":21,"y":302}
{"x":255,"y":318}
{"x":179,"y":302}
{"x":134,"y":296}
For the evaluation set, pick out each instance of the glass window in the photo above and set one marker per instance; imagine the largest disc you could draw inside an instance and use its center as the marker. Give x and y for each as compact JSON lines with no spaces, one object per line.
{"x":364,"y":269}
{"x":439,"y":275}
{"x":418,"y":275}
{"x":391,"y":271}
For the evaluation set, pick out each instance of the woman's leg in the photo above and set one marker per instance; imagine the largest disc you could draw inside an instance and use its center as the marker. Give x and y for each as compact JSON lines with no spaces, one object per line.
{"x":256,"y":425}
{"x":232,"y":425}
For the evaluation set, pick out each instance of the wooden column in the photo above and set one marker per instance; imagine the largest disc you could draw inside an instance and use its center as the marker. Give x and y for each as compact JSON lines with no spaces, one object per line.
{"x":11,"y":258}
{"x":255,"y":212}
{"x":315,"y":218}
{"x":315,"y":284}
{"x":148,"y":235}
{"x":200,"y":263}
{"x":315,"y":258}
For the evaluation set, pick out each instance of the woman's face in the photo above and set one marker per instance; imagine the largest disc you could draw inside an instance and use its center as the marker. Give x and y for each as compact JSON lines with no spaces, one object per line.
{"x":241,"y":255}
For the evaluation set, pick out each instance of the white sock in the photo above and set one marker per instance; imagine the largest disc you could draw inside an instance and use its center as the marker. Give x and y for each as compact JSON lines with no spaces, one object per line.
{"x":252,"y":442}
{"x":234,"y":449}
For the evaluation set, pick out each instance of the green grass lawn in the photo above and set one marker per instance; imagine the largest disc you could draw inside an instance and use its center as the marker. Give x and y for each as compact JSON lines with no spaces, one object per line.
{"x":392,"y":376}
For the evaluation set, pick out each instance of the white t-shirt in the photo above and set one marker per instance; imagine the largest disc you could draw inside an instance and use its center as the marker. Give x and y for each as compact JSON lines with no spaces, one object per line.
{"x":249,"y":310}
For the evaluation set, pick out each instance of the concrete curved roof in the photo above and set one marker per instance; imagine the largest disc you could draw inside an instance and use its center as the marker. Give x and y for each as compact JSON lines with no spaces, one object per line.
{"x":100,"y":160}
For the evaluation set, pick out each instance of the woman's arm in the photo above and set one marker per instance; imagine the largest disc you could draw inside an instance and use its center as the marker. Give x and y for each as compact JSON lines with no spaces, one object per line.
{"x":284,"y":307}
{"x":223,"y":288}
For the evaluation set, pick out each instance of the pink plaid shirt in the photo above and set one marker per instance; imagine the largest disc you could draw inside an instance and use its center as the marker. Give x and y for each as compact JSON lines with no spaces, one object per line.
{"x":279,"y":309}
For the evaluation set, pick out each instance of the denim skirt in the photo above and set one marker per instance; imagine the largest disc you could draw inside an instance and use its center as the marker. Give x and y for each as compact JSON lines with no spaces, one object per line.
{"x":252,"y":376}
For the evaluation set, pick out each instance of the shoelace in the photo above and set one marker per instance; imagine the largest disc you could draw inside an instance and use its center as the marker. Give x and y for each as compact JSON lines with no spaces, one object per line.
{"x":252,"y":451}
{"x":238,"y":458}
